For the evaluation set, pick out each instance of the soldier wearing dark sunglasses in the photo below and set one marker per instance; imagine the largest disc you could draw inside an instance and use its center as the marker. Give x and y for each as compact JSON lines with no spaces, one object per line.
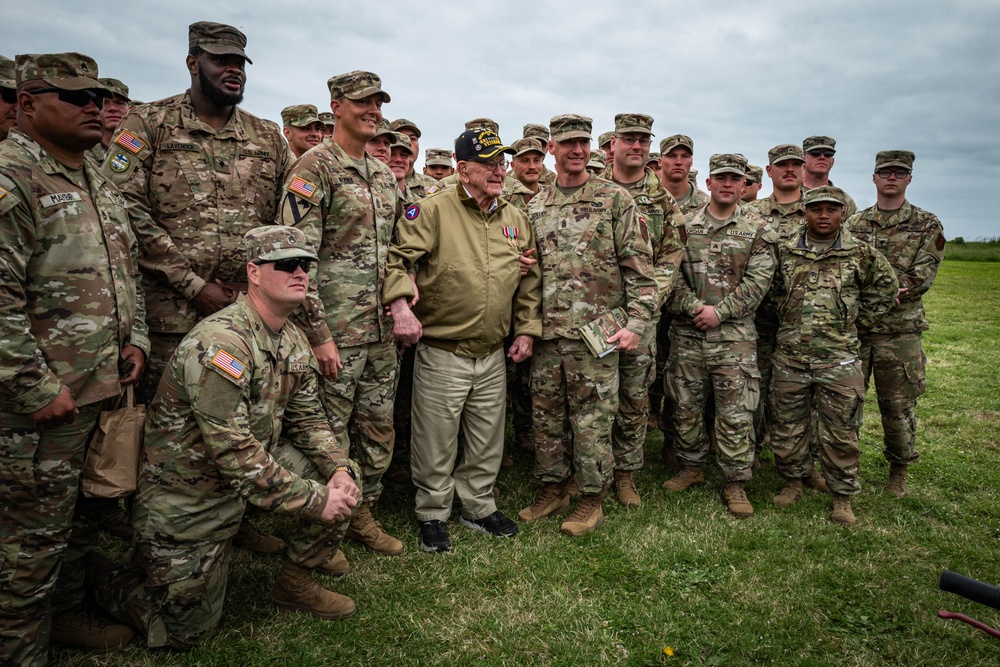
{"x":8,"y":97}
{"x":818,"y":154}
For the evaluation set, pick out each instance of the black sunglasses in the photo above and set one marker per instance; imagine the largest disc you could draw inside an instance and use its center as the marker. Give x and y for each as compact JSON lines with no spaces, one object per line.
{"x":9,"y":95}
{"x":288,"y":265}
{"x":823,"y":153}
{"x":79,"y":98}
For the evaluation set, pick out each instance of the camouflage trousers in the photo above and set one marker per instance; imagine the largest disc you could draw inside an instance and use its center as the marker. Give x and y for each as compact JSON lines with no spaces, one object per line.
{"x":636,"y":372}
{"x":767,"y":338}
{"x":898,"y":365}
{"x":45,"y":530}
{"x":173,"y":593}
{"x":359,"y":404}
{"x":698,"y":368}
{"x":161,"y":349}
{"x":830,"y":400}
{"x":659,"y":394}
{"x":574,"y":400}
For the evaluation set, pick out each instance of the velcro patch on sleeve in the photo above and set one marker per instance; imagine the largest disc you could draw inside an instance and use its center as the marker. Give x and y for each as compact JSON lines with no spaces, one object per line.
{"x":130,"y":142}
{"x":301,"y":186}
{"x":228,"y":364}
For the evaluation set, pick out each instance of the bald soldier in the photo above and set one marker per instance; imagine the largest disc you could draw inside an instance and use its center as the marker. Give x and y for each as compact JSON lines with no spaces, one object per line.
{"x":301,"y":127}
{"x":418,"y":183}
{"x":818,"y":153}
{"x":8,"y":97}
{"x":662,"y":221}
{"x":74,"y":334}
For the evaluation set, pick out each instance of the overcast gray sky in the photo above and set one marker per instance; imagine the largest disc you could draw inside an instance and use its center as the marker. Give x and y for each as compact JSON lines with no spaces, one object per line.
{"x":737,"y":77}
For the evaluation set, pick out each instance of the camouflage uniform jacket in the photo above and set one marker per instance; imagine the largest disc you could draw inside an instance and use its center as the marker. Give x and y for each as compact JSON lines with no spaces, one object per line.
{"x":913,"y":241}
{"x":824,"y":297}
{"x":349,"y":220}
{"x":728,"y":266}
{"x":694,"y":201}
{"x":193,"y":192}
{"x":547,"y":178}
{"x":69,"y":300}
{"x":231,"y":390}
{"x":665,"y":224}
{"x":594,"y":256}
{"x":517,"y":194}
{"x":467,"y":271}
{"x":98,"y":154}
{"x":787,"y":220}
{"x":419,"y":183}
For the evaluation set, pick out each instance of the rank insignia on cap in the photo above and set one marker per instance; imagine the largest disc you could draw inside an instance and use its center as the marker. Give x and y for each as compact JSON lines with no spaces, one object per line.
{"x":412,"y":211}
{"x":302,"y":187}
{"x":119,"y":163}
{"x":228,"y":364}
{"x":129,"y":141}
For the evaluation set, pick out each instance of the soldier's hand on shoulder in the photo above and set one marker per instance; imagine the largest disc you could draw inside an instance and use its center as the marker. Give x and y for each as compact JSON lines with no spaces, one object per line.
{"x":62,"y":410}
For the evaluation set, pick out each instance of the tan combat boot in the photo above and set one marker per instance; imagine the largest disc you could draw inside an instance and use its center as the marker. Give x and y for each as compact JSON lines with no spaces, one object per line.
{"x":80,"y":630}
{"x":365,"y":530}
{"x":669,"y":456}
{"x":625,"y":489}
{"x":897,"y":480}
{"x":842,"y":512}
{"x":791,"y":494}
{"x":336,"y":566}
{"x":553,"y":500}
{"x":249,"y":537}
{"x":817,"y":481}
{"x":735,"y":497}
{"x":586,"y":517}
{"x":295,"y":590}
{"x":688,"y":477}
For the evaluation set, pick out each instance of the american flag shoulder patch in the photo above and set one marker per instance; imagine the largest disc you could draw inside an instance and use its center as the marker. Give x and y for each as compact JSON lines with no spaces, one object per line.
{"x":228,"y":364}
{"x":130,"y":142}
{"x":302,"y":186}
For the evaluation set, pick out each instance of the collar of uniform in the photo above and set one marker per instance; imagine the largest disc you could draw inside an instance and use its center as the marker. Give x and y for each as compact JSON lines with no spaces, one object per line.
{"x":470,"y":202}
{"x":710,"y":219}
{"x":784,"y":209}
{"x":347,"y":162}
{"x":233,"y":129}
{"x":261,"y":332}
{"x":645,"y":185}
{"x":586,"y":193}
{"x":44,"y":159}
{"x":518,"y":188}
{"x":845,"y":241}
{"x":905,"y":212}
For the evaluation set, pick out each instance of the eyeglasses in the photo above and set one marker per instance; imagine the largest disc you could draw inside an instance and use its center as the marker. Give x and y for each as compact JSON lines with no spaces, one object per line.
{"x":749,"y":182}
{"x":822,"y":153}
{"x":493,"y":165}
{"x":629,"y":141}
{"x":9,"y":95}
{"x":288,"y":265}
{"x":79,"y":98}
{"x":890,"y":171}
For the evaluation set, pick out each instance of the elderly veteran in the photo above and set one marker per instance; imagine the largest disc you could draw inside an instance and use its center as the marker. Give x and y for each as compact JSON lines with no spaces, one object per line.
{"x":464,"y":245}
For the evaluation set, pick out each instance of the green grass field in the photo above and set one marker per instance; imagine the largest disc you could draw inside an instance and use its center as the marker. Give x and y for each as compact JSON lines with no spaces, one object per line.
{"x":679,"y":575}
{"x":981,"y":250}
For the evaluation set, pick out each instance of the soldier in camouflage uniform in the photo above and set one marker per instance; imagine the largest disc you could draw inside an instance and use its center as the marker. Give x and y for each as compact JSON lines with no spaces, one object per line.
{"x":827,"y":284}
{"x":328,"y":121}
{"x":726,"y":271}
{"x":541,"y":133}
{"x":437,"y":163}
{"x":114,"y":109}
{"x":604,"y":144}
{"x":818,"y":152}
{"x":73,"y":330}
{"x":346,"y":204}
{"x":636,"y":368}
{"x":418,"y":183}
{"x":598,"y":162}
{"x":8,"y":97}
{"x":594,"y":250}
{"x":653,"y":162}
{"x":754,"y":183}
{"x":237,"y":420}
{"x":302,"y":128}
{"x":399,"y":158}
{"x":380,"y":146}
{"x":913,"y":241}
{"x":526,"y":166}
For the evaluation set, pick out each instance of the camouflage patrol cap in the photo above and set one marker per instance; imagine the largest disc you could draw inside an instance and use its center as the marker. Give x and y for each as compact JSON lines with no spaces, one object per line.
{"x":401,"y":140}
{"x":727,"y":163}
{"x":535,"y":131}
{"x":116,"y":87}
{"x":895,"y":158}
{"x":598,"y":160}
{"x":605,"y":139}
{"x":825,"y":193}
{"x":638,"y":123}
{"x":784,"y":153}
{"x":356,"y":85}
{"x":7,"y":73}
{"x":653,"y":157}
{"x":327,"y":118}
{"x":479,"y":145}
{"x":570,"y":126}
{"x":675,"y":140}
{"x":218,"y":39}
{"x":299,"y":115}
{"x":754,"y":173}
{"x":69,"y":71}
{"x":483,"y":124}
{"x":385,"y":129}
{"x":401,"y":124}
{"x":437,"y":157}
{"x":273,"y":242}
{"x":818,"y":141}
{"x":693,"y":175}
{"x":527,"y":145}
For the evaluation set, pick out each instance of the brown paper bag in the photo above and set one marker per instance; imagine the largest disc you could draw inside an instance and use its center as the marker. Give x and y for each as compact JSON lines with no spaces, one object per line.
{"x":111,"y":469}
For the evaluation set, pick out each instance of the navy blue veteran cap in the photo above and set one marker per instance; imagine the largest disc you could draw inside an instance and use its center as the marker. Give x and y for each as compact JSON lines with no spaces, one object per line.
{"x":479,"y":145}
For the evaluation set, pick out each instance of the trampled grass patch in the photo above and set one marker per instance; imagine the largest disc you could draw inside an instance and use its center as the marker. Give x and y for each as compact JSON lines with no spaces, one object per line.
{"x":785,"y":587}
